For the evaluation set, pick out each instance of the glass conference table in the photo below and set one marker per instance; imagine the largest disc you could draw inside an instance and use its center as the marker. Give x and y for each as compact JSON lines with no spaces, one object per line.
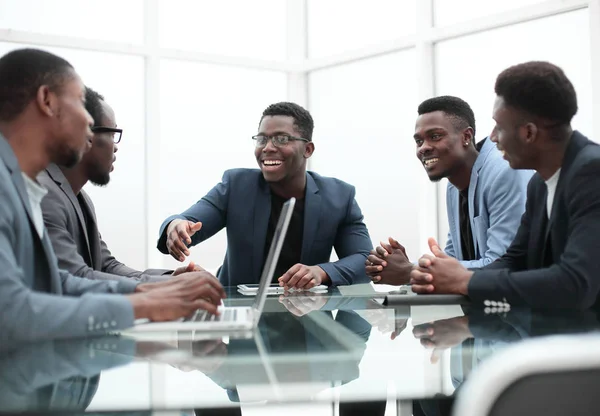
{"x":338,"y":350}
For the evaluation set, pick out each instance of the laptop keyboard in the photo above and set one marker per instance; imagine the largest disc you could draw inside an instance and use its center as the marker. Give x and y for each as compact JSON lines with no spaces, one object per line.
{"x":227,"y":315}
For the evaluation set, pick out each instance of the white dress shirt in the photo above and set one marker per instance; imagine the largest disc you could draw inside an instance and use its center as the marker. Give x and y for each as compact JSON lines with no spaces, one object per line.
{"x":551,"y":184}
{"x":36,"y":193}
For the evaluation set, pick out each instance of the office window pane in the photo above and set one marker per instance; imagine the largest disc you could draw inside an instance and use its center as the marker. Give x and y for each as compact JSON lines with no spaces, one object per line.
{"x":226,"y":27}
{"x":208,"y":115}
{"x":120,"y":205}
{"x":335,"y":26}
{"x":110,"y":20}
{"x":448,"y":12}
{"x":473,"y":79}
{"x":364,"y":116}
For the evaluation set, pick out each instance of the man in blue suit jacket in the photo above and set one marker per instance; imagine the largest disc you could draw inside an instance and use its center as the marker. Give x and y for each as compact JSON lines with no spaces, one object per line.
{"x":485,"y":198}
{"x":248,"y":202}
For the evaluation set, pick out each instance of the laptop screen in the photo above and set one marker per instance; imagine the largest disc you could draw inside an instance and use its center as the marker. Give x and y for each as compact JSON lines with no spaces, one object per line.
{"x":273,"y":256}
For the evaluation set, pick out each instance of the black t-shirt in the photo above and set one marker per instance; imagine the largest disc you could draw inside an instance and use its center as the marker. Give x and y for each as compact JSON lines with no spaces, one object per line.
{"x":466,"y":235}
{"x":292,"y":245}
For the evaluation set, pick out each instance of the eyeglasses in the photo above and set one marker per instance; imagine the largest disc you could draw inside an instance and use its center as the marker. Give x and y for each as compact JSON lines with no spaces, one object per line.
{"x":116,"y":133}
{"x":278,"y":140}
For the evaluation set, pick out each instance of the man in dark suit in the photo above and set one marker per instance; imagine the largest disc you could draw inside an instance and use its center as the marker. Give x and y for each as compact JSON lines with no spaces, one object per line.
{"x":248,"y":202}
{"x":69,"y":213}
{"x":553,"y":260}
{"x":43,"y":120}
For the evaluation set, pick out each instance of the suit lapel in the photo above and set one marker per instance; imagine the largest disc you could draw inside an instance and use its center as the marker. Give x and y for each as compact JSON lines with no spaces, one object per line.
{"x":93,"y":239}
{"x":262,"y":211}
{"x":312,"y":215}
{"x":8,"y":156}
{"x":454,"y":210}
{"x":471,"y":194}
{"x":57,"y":176}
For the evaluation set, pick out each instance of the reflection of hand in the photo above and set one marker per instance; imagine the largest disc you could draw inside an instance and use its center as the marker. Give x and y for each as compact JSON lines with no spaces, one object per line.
{"x":191,"y":267}
{"x":301,"y":303}
{"x":381,"y":319}
{"x":207,"y":357}
{"x":300,"y":276}
{"x":389,"y":264}
{"x":439,"y":273}
{"x":443,"y":334}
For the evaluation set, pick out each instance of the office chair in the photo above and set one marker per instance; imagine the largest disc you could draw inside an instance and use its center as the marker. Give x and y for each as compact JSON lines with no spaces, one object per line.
{"x":557,"y":375}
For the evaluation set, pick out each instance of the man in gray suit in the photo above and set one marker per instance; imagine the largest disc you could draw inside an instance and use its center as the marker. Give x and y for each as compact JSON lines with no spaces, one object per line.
{"x":69,"y":213}
{"x":43,"y":120}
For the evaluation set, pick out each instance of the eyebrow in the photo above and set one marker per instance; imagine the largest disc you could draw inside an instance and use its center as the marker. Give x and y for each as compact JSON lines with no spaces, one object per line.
{"x":429,"y":131}
{"x":277,"y":133}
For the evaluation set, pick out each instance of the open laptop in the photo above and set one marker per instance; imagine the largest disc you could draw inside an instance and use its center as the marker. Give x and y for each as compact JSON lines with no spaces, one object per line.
{"x":239,"y":317}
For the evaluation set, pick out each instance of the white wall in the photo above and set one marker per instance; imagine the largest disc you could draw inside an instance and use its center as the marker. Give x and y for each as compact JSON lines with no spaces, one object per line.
{"x":188,"y":80}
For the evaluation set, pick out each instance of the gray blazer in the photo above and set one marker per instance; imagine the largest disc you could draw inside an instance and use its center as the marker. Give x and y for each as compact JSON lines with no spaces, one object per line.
{"x":79,"y":252}
{"x":32,"y":304}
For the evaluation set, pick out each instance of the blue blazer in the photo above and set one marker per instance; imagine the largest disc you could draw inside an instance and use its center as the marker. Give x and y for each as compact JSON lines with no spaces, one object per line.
{"x":241,"y":202}
{"x":497,"y":195}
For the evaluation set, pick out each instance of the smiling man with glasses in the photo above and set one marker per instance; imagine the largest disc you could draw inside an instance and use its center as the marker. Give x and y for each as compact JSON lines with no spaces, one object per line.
{"x":69,"y":213}
{"x":248,"y":201}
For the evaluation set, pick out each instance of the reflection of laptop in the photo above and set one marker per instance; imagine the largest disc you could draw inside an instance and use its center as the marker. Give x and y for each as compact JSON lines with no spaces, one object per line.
{"x":238,"y":317}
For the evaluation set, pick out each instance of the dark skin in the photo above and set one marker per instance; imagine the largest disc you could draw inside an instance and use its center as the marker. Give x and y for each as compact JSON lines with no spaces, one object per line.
{"x":97,"y":164}
{"x":445,"y":151}
{"x":528,"y":142}
{"x":284,"y":169}
{"x":55,"y":128}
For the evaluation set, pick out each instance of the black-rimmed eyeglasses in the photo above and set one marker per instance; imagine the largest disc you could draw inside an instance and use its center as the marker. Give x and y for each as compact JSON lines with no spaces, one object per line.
{"x":278,"y":140}
{"x":116,"y":133}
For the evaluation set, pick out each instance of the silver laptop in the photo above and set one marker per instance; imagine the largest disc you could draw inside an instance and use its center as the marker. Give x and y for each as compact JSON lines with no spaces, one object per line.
{"x":239,"y":317}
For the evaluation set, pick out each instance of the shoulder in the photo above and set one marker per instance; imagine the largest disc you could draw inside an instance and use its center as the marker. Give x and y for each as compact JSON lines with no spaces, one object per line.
{"x":242,"y":175}
{"x":330,"y":183}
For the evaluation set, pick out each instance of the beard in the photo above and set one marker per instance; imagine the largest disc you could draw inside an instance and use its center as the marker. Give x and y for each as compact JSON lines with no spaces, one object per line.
{"x":100,"y":178}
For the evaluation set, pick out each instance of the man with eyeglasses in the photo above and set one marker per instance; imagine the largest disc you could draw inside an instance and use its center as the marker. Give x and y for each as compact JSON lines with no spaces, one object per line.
{"x":69,"y":213}
{"x":248,"y":201}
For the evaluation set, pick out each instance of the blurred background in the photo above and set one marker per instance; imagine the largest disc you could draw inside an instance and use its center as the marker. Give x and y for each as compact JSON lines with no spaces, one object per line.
{"x":189,"y":79}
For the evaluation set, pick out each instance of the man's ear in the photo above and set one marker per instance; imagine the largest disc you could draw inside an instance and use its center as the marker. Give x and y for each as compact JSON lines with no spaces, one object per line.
{"x":530,"y":132}
{"x":309,"y":149}
{"x":45,"y":101}
{"x":469,"y":136}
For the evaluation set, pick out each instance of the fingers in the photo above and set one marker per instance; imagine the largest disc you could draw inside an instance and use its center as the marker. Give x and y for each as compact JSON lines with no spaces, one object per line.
{"x":421,"y":282}
{"x":373,"y":260}
{"x":376,"y":279}
{"x":397,"y":246}
{"x":426,"y":261}
{"x":422,"y":289}
{"x":190,"y":267}
{"x":193,"y":228}
{"x":289,"y":305}
{"x":297,"y":277}
{"x":202,"y":304}
{"x":176,"y":248}
{"x":386,"y":247}
{"x":183,"y":237}
{"x":306,"y":282}
{"x":283,"y":280}
{"x":381,"y":252}
{"x":435,"y":248}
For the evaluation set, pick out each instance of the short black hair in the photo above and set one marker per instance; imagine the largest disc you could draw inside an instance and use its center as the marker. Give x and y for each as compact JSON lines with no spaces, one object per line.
{"x":23,"y":72}
{"x":302,"y":118}
{"x":456,"y":108}
{"x":539,"y":88}
{"x":93,"y":105}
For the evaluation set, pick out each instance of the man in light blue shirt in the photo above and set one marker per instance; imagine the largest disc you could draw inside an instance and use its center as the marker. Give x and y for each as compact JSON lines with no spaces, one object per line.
{"x":485,"y":198}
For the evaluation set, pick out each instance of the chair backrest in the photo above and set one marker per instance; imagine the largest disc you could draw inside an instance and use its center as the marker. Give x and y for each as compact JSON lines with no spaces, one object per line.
{"x":558,"y":375}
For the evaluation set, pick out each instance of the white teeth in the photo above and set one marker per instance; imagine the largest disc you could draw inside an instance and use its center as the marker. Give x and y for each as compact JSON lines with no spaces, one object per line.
{"x":272,"y":162}
{"x":429,"y":162}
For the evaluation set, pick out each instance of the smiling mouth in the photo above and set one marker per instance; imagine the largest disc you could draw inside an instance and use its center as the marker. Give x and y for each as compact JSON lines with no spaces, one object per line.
{"x":272,"y":163}
{"x":430,"y":162}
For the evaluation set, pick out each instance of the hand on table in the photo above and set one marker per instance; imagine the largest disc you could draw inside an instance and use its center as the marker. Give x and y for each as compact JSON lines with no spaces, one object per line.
{"x":191,"y":267}
{"x":389,"y":264}
{"x":439,"y":273}
{"x":300,"y":276}
{"x":177,"y":297}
